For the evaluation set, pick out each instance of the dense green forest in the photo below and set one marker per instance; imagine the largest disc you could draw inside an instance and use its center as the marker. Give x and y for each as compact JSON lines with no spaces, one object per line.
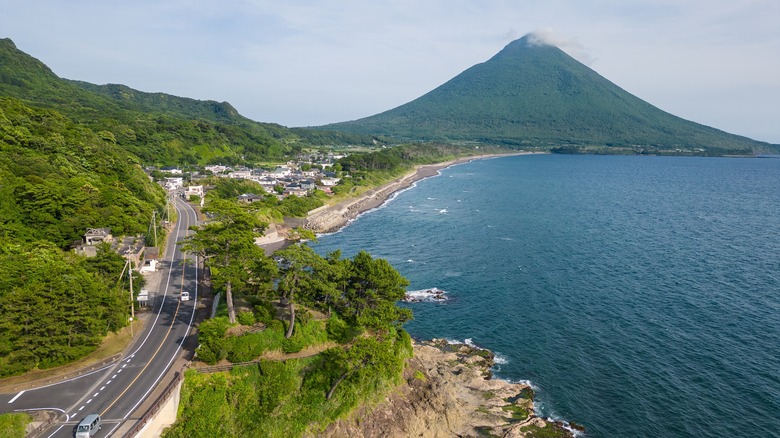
{"x":535,"y":95}
{"x":55,"y":306}
{"x":58,"y":178}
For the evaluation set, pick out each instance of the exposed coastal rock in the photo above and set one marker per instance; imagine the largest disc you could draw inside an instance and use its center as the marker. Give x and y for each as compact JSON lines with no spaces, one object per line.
{"x":448,"y":391}
{"x":433,"y":295}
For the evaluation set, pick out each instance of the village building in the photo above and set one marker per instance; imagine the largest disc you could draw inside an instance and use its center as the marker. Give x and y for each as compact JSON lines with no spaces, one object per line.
{"x":247,"y":198}
{"x":94,"y":236}
{"x":173,"y":183}
{"x":194,"y":191}
{"x":240,"y":174}
{"x":150,"y":260}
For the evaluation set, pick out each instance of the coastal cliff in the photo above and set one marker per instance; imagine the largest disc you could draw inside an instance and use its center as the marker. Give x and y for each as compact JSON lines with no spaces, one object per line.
{"x":449,"y":391}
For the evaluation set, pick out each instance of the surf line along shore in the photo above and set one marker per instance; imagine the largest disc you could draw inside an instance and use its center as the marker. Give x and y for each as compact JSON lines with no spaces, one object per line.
{"x":330,"y":218}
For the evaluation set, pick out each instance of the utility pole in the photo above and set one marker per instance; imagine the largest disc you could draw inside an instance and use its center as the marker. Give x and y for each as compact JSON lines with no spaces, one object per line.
{"x":154,"y":226}
{"x":132,"y":304}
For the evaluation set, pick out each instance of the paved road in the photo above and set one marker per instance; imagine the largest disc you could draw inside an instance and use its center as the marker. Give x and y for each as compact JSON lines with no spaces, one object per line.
{"x":117,"y":390}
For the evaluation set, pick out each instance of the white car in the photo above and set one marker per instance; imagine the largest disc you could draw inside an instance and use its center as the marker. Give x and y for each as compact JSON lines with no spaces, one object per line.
{"x":185,"y":296}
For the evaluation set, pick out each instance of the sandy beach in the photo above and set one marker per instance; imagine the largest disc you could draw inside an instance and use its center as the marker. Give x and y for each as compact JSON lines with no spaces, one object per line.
{"x":328,"y":219}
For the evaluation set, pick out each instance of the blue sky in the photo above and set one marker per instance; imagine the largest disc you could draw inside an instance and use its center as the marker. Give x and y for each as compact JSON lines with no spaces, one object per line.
{"x":303,"y":63}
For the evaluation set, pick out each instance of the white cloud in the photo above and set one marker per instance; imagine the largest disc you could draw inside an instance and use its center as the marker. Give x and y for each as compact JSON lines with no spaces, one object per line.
{"x":574,"y":48}
{"x":320,"y":61}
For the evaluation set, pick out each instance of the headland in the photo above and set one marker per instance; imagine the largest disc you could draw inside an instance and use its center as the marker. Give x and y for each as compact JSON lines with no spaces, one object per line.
{"x":448,"y":391}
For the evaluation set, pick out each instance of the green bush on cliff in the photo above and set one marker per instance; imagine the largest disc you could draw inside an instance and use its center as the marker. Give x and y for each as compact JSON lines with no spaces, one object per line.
{"x":288,"y":398}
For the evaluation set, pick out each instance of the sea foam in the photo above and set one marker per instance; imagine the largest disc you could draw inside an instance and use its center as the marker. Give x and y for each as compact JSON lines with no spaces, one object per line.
{"x":432,"y":295}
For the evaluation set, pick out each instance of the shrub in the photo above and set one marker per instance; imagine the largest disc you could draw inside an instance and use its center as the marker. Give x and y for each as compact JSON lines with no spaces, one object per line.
{"x":264,"y":313}
{"x":13,"y":424}
{"x":292,"y":345}
{"x":338,"y":330}
{"x":211,"y":336}
{"x":246,"y":318}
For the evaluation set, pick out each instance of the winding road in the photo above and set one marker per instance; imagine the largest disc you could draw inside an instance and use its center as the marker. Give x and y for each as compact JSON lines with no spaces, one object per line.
{"x":118,"y":389}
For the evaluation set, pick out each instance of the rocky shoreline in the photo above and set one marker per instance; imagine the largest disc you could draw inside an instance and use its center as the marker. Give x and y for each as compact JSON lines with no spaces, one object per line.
{"x":328,"y":219}
{"x":448,"y":391}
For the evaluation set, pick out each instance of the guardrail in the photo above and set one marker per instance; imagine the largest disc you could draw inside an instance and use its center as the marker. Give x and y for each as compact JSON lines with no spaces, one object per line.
{"x":156,"y":406}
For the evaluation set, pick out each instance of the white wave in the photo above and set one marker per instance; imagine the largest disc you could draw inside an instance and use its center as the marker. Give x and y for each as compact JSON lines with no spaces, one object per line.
{"x":410,"y":261}
{"x":431,"y":199}
{"x":522,"y":382}
{"x":500,"y":359}
{"x":432,"y":295}
{"x":443,"y":211}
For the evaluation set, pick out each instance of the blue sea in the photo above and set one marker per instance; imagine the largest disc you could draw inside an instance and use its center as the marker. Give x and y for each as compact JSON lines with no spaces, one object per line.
{"x":640,"y":296}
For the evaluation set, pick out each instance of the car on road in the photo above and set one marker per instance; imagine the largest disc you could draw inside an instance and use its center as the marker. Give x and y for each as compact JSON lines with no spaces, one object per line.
{"x":89,"y":426}
{"x":185,"y":296}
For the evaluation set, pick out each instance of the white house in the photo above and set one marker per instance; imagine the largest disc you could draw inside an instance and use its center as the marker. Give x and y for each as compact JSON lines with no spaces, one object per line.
{"x":174,"y":183}
{"x":329,"y":182}
{"x":217,"y":169}
{"x":194,"y":191}
{"x":240,"y":174}
{"x":151,"y":257}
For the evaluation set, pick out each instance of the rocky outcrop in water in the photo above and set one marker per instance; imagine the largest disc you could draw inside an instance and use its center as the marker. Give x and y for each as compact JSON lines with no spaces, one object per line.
{"x":449,"y":391}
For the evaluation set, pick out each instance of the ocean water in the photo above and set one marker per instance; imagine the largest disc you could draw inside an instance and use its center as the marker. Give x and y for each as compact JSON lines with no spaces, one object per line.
{"x":639,"y":295}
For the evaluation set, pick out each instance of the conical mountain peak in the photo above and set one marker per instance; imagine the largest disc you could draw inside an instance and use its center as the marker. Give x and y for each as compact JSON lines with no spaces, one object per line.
{"x":533,"y":94}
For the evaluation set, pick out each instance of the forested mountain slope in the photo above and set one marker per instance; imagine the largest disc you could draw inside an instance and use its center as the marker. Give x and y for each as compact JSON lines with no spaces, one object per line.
{"x":58,"y":178}
{"x":534,"y":94}
{"x":159,"y":128}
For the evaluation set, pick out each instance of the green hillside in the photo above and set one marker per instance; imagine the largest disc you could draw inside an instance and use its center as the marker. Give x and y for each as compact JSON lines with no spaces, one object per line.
{"x":58,"y":178}
{"x":159,"y":128}
{"x":533,"y":95}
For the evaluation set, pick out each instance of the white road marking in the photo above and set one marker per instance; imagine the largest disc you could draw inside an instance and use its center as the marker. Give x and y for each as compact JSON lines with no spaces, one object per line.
{"x":81,"y":408}
{"x":102,"y":388}
{"x":16,"y":396}
{"x":89,"y":401}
